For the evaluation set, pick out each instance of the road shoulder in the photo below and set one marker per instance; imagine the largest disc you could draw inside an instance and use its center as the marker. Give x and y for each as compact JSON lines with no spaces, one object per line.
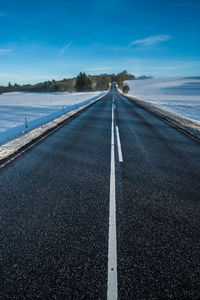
{"x":187,"y":126}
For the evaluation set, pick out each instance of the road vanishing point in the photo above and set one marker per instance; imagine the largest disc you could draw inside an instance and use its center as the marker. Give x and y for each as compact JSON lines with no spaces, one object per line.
{"x":106,"y":207}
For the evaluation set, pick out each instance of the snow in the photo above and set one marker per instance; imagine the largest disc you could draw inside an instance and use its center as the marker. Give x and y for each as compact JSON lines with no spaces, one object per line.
{"x":12,"y":147}
{"x":38,"y":108}
{"x":179,"y":95}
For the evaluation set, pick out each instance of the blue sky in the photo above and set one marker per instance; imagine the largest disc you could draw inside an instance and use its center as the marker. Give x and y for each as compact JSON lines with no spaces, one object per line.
{"x":43,"y":40}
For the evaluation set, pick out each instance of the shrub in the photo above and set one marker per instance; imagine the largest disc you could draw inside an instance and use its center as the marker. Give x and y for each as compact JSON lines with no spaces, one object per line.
{"x":126,"y":89}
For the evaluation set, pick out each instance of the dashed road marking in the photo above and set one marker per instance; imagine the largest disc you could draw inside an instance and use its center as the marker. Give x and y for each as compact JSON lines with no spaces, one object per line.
{"x":119,"y":145}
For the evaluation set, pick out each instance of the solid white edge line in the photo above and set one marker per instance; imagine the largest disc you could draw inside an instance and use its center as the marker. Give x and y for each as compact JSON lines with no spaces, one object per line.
{"x":112,"y":288}
{"x":119,"y":145}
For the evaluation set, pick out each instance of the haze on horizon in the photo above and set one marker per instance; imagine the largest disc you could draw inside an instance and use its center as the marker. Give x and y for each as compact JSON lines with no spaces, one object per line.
{"x":44,"y":40}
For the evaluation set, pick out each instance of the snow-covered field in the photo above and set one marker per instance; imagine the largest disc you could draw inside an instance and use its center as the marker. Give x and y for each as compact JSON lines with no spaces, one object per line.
{"x":38,"y":108}
{"x":180,"y":95}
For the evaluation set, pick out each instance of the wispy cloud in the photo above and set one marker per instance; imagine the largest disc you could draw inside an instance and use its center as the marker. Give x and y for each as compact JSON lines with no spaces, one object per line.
{"x":151,"y":40}
{"x":27,"y":78}
{"x":97,"y":69}
{"x":142,"y":44}
{"x":4,"y":51}
{"x":163,"y":67}
{"x":62,"y":51}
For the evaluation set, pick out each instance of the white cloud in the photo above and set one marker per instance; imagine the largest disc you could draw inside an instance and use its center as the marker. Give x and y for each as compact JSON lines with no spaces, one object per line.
{"x":62,"y":51}
{"x":151,"y":40}
{"x":3,"y":51}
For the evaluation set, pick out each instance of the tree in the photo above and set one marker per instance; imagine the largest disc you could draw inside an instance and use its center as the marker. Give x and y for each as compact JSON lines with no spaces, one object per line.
{"x":83,"y":83}
{"x":126,"y":89}
{"x":103,"y":83}
{"x":121,"y":77}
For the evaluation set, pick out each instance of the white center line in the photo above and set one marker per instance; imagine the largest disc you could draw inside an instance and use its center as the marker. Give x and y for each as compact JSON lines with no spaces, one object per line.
{"x":112,"y":292}
{"x":119,"y":145}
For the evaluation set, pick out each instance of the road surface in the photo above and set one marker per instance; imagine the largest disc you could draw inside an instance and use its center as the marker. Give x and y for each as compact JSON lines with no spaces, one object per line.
{"x":107,"y":207}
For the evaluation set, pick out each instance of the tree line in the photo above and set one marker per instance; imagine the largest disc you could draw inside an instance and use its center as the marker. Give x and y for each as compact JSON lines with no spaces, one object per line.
{"x":81,"y":83}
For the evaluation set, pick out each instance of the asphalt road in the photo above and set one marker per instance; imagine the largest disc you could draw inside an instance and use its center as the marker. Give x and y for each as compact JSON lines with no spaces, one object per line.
{"x":59,"y":210}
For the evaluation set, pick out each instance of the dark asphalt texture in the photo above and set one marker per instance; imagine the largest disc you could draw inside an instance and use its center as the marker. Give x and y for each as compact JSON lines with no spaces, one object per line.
{"x":54,"y":210}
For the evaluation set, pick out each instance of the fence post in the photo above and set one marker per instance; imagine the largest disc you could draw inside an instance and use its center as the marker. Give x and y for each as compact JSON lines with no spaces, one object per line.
{"x":26,"y":123}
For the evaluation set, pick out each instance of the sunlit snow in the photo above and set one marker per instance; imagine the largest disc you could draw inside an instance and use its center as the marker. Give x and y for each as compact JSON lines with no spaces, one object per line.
{"x":38,"y":108}
{"x":180,"y":95}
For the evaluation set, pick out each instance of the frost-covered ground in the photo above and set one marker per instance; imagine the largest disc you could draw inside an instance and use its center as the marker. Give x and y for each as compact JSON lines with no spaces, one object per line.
{"x":180,"y":95}
{"x":38,"y":108}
